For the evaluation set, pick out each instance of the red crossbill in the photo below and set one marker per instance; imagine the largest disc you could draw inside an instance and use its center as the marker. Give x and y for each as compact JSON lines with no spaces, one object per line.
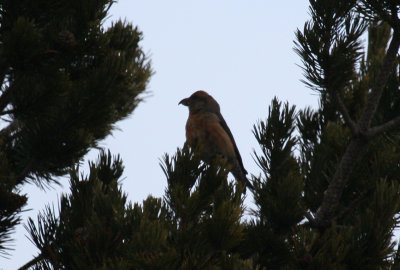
{"x":206,"y":127}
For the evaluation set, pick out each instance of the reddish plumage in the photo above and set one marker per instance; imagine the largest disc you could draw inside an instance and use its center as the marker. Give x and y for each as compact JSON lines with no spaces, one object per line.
{"x":207,"y":127}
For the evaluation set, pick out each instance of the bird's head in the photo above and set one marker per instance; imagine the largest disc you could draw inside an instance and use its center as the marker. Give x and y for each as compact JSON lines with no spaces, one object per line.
{"x":200,"y":101}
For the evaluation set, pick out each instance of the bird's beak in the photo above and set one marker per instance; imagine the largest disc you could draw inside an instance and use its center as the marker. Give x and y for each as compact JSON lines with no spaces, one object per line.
{"x":184,"y":101}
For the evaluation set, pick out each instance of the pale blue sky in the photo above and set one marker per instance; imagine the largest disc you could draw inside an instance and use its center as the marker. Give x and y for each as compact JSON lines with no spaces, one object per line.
{"x":241,"y":52}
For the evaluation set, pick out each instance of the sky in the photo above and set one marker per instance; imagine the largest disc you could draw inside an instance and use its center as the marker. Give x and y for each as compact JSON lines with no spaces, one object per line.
{"x":240,"y":52}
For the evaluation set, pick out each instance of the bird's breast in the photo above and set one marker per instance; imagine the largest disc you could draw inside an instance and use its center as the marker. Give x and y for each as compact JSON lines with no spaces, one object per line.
{"x":205,"y":129}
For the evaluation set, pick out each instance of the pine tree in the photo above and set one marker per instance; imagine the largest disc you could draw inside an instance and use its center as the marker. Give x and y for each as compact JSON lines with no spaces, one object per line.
{"x":65,"y":81}
{"x":196,"y":226}
{"x":327,"y":196}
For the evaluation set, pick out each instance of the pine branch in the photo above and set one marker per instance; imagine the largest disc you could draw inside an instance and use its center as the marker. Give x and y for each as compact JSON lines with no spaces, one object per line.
{"x":25,"y":172}
{"x":40,"y":257}
{"x":53,"y":257}
{"x":376,"y":93}
{"x":388,"y":126}
{"x":353,"y":204}
{"x":374,"y":6}
{"x":32,"y":262}
{"x":345,"y":113}
{"x":325,"y":212}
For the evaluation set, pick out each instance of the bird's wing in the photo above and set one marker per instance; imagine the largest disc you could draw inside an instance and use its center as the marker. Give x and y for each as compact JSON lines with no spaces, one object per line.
{"x":228,"y":131}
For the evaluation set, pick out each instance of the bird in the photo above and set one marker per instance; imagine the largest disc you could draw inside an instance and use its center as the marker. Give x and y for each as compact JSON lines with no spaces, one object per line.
{"x":207,"y":127}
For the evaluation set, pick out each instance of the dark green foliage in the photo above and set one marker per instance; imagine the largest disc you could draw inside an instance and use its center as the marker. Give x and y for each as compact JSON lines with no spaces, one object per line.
{"x":278,"y":193}
{"x":330,"y":42}
{"x":12,"y":204}
{"x":300,"y":166}
{"x":206,"y":210}
{"x":64,"y":99}
{"x":65,"y":81}
{"x":327,"y":196}
{"x":97,"y":229}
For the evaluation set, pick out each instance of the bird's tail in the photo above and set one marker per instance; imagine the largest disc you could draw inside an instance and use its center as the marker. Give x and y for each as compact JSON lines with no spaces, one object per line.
{"x":240,"y":176}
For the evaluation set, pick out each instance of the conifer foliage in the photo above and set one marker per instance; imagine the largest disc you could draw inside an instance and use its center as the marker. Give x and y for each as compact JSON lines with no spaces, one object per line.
{"x":327,"y":197}
{"x":65,"y":80}
{"x":196,"y":226}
